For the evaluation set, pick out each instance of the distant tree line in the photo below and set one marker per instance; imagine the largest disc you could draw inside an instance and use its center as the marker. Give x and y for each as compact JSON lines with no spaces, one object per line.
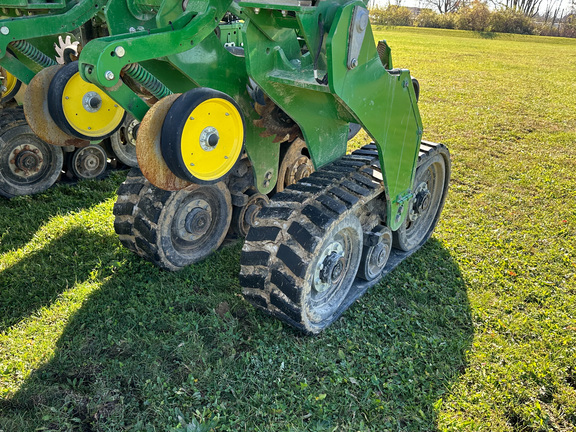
{"x":503,"y":16}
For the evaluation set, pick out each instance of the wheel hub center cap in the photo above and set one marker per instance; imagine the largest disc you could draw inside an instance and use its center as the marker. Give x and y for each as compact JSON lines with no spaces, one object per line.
{"x":92,"y":101}
{"x":198,"y":221}
{"x":333,"y":268}
{"x":209,"y":138}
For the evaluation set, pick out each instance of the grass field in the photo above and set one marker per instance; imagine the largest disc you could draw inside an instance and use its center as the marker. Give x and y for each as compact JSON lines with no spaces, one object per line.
{"x":476,"y":332}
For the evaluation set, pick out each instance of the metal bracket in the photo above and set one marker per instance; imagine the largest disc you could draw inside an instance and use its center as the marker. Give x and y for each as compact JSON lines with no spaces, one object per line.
{"x":358,"y":25}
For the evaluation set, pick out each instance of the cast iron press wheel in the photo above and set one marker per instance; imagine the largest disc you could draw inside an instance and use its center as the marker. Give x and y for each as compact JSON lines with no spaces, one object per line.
{"x":88,"y":162}
{"x":28,"y":165}
{"x":81,"y":109}
{"x":202,"y":136}
{"x":123,"y":142}
{"x":430,"y":187}
{"x":176,"y":229}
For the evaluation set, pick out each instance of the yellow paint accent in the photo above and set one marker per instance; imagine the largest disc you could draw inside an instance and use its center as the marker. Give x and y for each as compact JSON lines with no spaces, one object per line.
{"x":225,"y":118}
{"x":92,"y":124}
{"x":9,"y":82}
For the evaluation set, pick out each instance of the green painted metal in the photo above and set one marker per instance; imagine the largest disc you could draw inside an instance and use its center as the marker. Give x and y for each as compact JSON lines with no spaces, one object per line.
{"x":318,"y":63}
{"x":382,"y":101}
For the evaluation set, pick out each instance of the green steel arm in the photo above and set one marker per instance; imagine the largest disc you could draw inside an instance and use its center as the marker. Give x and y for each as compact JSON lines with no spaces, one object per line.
{"x":102,"y":59}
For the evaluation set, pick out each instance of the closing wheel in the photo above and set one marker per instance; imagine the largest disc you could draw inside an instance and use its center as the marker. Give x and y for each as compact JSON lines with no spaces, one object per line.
{"x":10,"y":85}
{"x":430,"y":186}
{"x":375,"y":257}
{"x":202,"y":136}
{"x":296,"y":165}
{"x":28,"y":165}
{"x":176,"y":229}
{"x":123,"y":142}
{"x":88,"y":162}
{"x":81,"y":109}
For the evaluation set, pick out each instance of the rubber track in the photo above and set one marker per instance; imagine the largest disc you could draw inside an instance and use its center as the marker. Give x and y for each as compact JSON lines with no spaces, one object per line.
{"x":279,"y":246}
{"x":129,"y":195}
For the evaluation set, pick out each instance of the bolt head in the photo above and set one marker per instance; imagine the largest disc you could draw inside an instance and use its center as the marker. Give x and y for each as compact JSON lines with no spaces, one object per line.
{"x":354,"y":62}
{"x":4,"y":30}
{"x":120,"y":51}
{"x":109,"y":75}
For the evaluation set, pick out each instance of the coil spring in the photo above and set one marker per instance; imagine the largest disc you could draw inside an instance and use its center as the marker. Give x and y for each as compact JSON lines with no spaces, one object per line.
{"x":33,"y":53}
{"x":147,"y":80}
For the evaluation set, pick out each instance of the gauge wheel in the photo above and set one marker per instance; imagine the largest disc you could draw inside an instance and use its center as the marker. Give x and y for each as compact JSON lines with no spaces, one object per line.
{"x":80,"y":108}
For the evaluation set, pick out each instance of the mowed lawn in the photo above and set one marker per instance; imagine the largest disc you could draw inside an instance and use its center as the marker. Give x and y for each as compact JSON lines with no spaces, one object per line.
{"x":476,"y":332}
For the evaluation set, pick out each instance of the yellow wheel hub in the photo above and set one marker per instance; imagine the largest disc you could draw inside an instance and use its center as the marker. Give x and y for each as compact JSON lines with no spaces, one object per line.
{"x":88,"y":109}
{"x":212,"y":139}
{"x":9,"y":82}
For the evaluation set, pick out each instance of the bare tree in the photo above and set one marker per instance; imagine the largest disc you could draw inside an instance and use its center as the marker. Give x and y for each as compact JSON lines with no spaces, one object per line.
{"x":446,"y":6}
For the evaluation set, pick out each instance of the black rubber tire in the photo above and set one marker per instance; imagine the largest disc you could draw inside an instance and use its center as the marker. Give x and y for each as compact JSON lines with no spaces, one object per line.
{"x":148,"y":220}
{"x":9,"y":96}
{"x":433,"y":169}
{"x":280,"y":256}
{"x":15,"y":132}
{"x":173,"y":127}
{"x":55,"y":92}
{"x":129,"y":195}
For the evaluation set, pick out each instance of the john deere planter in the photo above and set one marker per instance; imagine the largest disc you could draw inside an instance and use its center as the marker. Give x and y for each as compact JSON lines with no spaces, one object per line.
{"x":245,"y":112}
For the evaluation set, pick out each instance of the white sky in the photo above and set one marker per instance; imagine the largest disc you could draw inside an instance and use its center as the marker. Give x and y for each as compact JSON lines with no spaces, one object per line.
{"x":422,"y":3}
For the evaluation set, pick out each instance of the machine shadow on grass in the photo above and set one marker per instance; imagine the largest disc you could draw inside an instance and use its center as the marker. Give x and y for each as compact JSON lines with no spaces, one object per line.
{"x":21,"y":217}
{"x":151,"y":349}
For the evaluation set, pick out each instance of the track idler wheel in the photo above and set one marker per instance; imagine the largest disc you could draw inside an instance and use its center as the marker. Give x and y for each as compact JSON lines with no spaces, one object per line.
{"x":80,"y":108}
{"x":243,"y":217}
{"x":377,"y":248}
{"x":28,"y":165}
{"x":88,"y":162}
{"x":202,"y":136}
{"x":123,"y":142}
{"x":429,"y":193}
{"x":296,"y":165}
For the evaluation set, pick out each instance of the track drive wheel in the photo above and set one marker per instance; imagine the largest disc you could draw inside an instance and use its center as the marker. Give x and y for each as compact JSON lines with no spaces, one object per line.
{"x":88,"y":162}
{"x":430,"y":189}
{"x":123,"y":142}
{"x":80,"y":108}
{"x":174,"y":229}
{"x":275,"y":121}
{"x":203,"y":136}
{"x":296,"y":165}
{"x":243,"y":217}
{"x":10,"y":85}
{"x":28,"y":165}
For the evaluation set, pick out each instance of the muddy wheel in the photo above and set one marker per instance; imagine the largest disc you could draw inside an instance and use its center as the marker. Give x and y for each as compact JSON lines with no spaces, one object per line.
{"x":375,"y":256}
{"x":243,"y":217}
{"x":296,"y":165}
{"x":430,"y":187}
{"x":28,"y":165}
{"x":81,"y":109}
{"x":129,"y":195}
{"x":123,"y":142}
{"x":176,"y":229}
{"x":88,"y":162}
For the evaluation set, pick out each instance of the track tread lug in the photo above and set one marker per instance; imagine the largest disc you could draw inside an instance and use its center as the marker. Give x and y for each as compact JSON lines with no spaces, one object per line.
{"x":291,"y":259}
{"x":255,"y":258}
{"x":279,"y":213}
{"x":287,"y":284}
{"x":347,"y":197}
{"x":302,"y":236}
{"x":262,"y":233}
{"x":317,"y":216}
